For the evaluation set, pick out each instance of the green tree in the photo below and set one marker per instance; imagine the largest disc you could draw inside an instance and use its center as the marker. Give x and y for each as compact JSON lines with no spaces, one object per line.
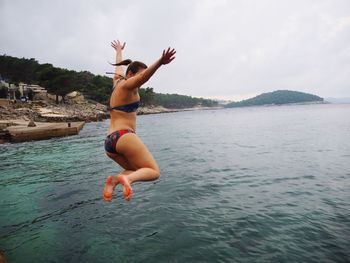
{"x":3,"y":91}
{"x":57,"y":81}
{"x":147,"y":96}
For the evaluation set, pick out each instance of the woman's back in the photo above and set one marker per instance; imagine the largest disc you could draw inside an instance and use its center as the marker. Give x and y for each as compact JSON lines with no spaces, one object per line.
{"x":123,"y":105}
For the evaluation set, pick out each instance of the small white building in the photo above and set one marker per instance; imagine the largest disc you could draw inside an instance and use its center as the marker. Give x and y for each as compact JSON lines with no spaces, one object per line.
{"x":25,"y":91}
{"x":36,"y":90}
{"x":12,"y":90}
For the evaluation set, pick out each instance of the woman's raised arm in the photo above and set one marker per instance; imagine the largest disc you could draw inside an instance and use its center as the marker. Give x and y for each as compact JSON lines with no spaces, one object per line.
{"x":139,"y":79}
{"x":118,"y":48}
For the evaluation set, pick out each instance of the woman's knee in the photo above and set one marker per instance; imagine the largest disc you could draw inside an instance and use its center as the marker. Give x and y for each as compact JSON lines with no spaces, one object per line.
{"x":156,"y":173}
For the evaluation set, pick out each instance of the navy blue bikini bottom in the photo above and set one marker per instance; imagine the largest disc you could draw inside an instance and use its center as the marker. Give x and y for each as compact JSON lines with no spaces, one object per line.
{"x":111,"y":140}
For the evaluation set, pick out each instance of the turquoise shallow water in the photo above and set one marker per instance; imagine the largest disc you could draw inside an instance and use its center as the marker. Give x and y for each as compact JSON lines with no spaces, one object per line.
{"x":266,"y":184}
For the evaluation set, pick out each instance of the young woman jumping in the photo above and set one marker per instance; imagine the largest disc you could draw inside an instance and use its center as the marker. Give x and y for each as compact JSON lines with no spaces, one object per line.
{"x":122,"y":144}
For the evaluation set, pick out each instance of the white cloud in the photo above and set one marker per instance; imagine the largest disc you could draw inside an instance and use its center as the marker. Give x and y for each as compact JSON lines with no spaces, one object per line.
{"x":224,"y":48}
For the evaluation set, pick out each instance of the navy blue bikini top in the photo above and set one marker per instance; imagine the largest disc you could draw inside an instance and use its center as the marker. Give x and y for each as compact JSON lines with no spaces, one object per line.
{"x":131,"y":107}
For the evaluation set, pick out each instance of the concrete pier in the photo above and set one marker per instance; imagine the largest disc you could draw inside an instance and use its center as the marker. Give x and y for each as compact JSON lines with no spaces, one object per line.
{"x":18,"y":130}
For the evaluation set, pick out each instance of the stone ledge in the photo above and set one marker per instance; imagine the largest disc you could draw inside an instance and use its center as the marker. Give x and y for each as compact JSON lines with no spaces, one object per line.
{"x":20,"y":132}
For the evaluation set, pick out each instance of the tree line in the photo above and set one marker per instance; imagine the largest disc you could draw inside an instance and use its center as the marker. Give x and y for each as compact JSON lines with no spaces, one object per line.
{"x":98,"y":88}
{"x":56,"y":80}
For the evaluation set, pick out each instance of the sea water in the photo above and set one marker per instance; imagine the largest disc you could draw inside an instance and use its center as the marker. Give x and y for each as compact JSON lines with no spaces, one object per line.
{"x":260,"y":184}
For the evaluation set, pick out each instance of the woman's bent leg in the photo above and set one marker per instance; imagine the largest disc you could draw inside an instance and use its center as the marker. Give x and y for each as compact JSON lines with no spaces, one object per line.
{"x":113,"y":181}
{"x":137,"y":154}
{"x":143,"y":175}
{"x":126,"y":178}
{"x":121,"y":160}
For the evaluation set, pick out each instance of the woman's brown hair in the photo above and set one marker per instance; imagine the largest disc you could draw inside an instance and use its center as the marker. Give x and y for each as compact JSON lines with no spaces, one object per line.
{"x":134,"y":66}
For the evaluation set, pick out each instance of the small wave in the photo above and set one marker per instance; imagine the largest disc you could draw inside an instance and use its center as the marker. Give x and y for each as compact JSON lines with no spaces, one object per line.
{"x":153,"y":234}
{"x":245,"y":146}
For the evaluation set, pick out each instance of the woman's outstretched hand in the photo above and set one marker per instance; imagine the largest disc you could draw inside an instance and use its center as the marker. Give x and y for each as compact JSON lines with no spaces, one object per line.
{"x":117,"y":45}
{"x":168,"y":56}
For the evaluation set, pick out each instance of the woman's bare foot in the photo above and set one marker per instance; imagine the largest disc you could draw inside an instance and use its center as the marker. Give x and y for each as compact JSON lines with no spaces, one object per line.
{"x":109,"y":188}
{"x":127,"y":189}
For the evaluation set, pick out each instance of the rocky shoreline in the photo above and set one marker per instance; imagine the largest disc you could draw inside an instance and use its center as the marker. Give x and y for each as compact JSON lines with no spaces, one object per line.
{"x":42,"y":120}
{"x":37,"y":121}
{"x":66,"y":112}
{"x":53,"y":113}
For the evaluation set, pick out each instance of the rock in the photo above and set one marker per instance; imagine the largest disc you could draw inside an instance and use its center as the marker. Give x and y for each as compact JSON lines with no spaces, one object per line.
{"x":75,"y":97}
{"x":52,"y":112}
{"x":40,"y":103}
{"x":31,"y":123}
{"x":71,"y":95}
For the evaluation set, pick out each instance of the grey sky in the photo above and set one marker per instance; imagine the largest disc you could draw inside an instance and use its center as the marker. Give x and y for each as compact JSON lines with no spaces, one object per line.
{"x":225,"y":49}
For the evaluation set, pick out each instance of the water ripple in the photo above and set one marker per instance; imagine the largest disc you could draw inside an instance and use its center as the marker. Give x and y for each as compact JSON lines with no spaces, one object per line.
{"x":241,"y":185}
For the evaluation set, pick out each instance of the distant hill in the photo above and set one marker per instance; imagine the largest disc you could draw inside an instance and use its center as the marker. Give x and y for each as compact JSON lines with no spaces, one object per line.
{"x":278,"y":97}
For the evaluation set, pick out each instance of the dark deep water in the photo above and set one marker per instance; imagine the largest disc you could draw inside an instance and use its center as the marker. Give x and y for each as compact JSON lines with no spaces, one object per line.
{"x":264,"y":184}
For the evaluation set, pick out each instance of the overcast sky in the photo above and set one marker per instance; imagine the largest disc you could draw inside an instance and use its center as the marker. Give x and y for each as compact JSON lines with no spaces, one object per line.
{"x":225,"y":49}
